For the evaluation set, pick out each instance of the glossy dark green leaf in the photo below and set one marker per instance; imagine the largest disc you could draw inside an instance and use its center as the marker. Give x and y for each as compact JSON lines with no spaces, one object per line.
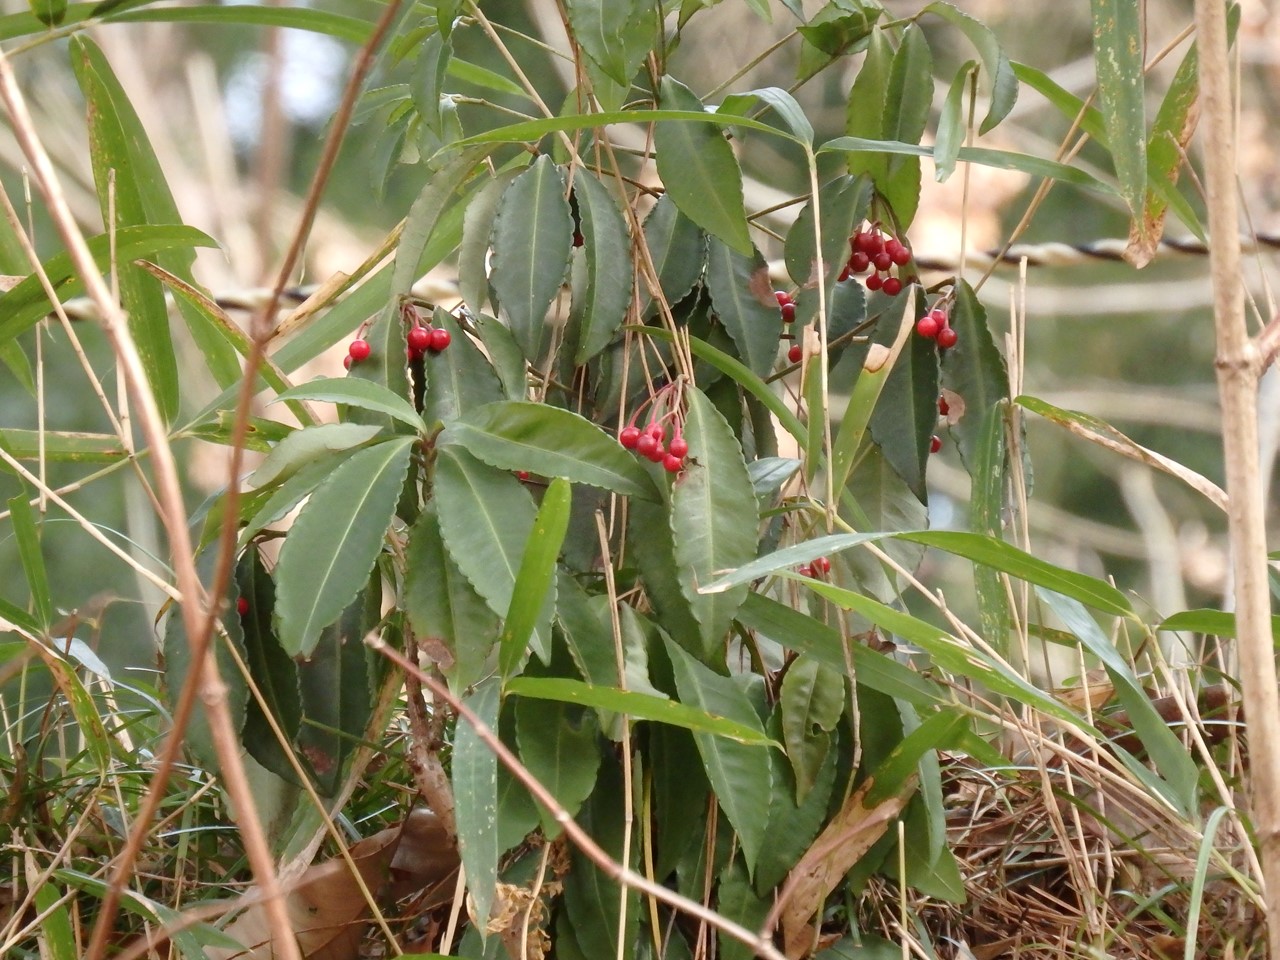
{"x":353,"y":392}
{"x":551,"y":442}
{"x":532,"y":240}
{"x":271,"y":503}
{"x":27,"y":534}
{"x":908,"y":99}
{"x":639,"y":706}
{"x":273,"y":671}
{"x":812,"y":638}
{"x":738,"y":901}
{"x":559,"y":743}
{"x":986,"y":511}
{"x":178,"y":663}
{"x":459,"y":379}
{"x":304,"y":447}
{"x":1118,"y":60}
{"x":742,"y":298}
{"x":952,"y":123}
{"x":974,"y":369}
{"x":998,"y":80}
{"x":535,"y":581}
{"x":842,"y":204}
{"x":607,"y":252}
{"x":444,"y":608}
{"x":486,"y":516}
{"x":699,"y":170}
{"x":475,"y":792}
{"x":864,"y":113}
{"x":739,"y":774}
{"x":334,"y":542}
{"x":678,"y":250}
{"x":879,"y":499}
{"x":713,"y":518}
{"x":651,"y":547}
{"x":505,"y":355}
{"x":812,"y":700}
{"x":477,"y":233}
{"x":906,"y":413}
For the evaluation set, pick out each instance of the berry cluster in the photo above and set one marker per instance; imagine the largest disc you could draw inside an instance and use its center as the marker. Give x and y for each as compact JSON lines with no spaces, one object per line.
{"x":935,"y":325}
{"x":648,"y":443}
{"x":869,"y":249}
{"x":787,"y":304}
{"x":423,"y":338}
{"x":820,"y":566}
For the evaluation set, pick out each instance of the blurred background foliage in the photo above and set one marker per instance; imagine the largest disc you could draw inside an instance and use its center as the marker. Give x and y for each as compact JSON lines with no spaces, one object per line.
{"x":237,"y":115}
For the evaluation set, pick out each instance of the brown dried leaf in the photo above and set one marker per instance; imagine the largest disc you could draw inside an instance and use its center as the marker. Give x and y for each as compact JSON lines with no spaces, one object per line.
{"x":844,"y":842}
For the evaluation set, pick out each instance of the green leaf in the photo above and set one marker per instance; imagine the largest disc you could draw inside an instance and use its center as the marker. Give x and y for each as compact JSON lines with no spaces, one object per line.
{"x":941,"y":730}
{"x":864,"y":112}
{"x":351,"y":29}
{"x":986,"y":510}
{"x":837,"y":29}
{"x":842,"y":203}
{"x":27,"y":534}
{"x":535,"y":581}
{"x":700,"y":172}
{"x":59,"y":446}
{"x":334,"y":542}
{"x":651,"y":547}
{"x":477,"y":233}
{"x":607,"y":250}
{"x":1117,"y":58}
{"x":505,"y":355}
{"x":811,"y":701}
{"x":57,"y":936}
{"x":678,"y":250}
{"x":906,"y":412}
{"x":475,"y":792}
{"x":354,"y":392}
{"x":1181,"y":779}
{"x":335,"y":690}
{"x":309,"y":445}
{"x":999,"y":82}
{"x":783,"y":103}
{"x":459,"y":379}
{"x":266,"y":506}
{"x":742,"y":298}
{"x":908,"y":97}
{"x":811,"y":638}
{"x":444,"y":608}
{"x":952,"y":126}
{"x":975,"y":370}
{"x":486,"y":516}
{"x":26,"y":303}
{"x":11,"y":356}
{"x":551,"y":442}
{"x":532,"y":241}
{"x":427,"y":86}
{"x":1215,"y":623}
{"x":51,"y":13}
{"x":708,"y":525}
{"x":879,"y":499}
{"x":739,"y":774}
{"x":559,"y":743}
{"x":736,"y":900}
{"x":638,"y":706}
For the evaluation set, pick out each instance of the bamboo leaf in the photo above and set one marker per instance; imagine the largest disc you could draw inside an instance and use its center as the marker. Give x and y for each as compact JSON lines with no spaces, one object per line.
{"x":27,"y":534}
{"x":535,"y":580}
{"x":1117,"y":58}
{"x":986,"y":509}
{"x":531,"y":244}
{"x":739,"y":774}
{"x":551,"y":442}
{"x":353,"y":392}
{"x":783,"y":104}
{"x":334,"y":542}
{"x":700,"y":172}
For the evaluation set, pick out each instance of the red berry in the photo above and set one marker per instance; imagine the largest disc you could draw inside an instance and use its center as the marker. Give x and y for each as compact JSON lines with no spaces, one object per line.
{"x":874,"y":282}
{"x":943,"y":407}
{"x":795,"y":353}
{"x":346,"y":361}
{"x":927,"y":327}
{"x":782,"y":297}
{"x":242,"y":605}
{"x":577,"y":238}
{"x":359,"y":350}
{"x":859,"y":262}
{"x":788,"y":312}
{"x":844,"y":274}
{"x":882,"y":261}
{"x":870,"y":242}
{"x":935,"y":443}
{"x":419,"y":338}
{"x":440,"y":338}
{"x":940,"y":316}
{"x":806,"y":571}
{"x":671,"y":463}
{"x":522,"y":474}
{"x":657,"y":431}
{"x":678,"y":447}
{"x":898,"y":252}
{"x":822,"y":565}
{"x":892,"y":286}
{"x":629,"y":437}
{"x":659,"y":454}
{"x":646,"y":444}
{"x":947,"y":338}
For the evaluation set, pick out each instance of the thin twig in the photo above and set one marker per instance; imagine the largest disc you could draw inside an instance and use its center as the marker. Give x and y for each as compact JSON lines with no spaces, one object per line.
{"x":590,"y":849}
